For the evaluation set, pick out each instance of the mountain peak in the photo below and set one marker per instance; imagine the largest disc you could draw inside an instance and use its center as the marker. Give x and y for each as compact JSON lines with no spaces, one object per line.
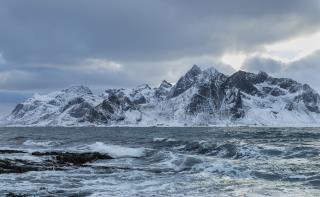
{"x":199,"y":97}
{"x":165,"y":84}
{"x":78,"y":89}
{"x":186,"y":81}
{"x":195,"y":69}
{"x":143,"y":87}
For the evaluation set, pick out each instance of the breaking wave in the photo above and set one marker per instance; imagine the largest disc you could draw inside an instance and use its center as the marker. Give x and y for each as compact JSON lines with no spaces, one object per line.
{"x":115,"y":151}
{"x":40,"y":143}
{"x":156,"y":164}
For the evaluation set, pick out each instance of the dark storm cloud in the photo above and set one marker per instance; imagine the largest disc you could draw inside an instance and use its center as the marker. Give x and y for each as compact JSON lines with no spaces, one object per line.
{"x":53,"y":32}
{"x":47,"y":44}
{"x":305,"y":70}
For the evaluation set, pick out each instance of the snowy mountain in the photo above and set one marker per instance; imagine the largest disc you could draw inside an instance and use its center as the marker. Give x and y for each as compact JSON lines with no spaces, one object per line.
{"x":200,"y":97}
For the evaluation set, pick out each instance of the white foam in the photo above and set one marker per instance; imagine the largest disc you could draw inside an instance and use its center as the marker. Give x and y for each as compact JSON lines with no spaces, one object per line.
{"x":160,"y":139}
{"x":116,"y":151}
{"x":43,"y":143}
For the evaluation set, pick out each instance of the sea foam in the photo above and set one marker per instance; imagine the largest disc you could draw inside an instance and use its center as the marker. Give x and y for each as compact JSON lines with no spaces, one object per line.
{"x":116,"y":151}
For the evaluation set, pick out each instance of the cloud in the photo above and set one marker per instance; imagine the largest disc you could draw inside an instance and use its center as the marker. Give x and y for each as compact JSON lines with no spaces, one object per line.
{"x":64,"y":32}
{"x":258,"y":63}
{"x":114,"y":43}
{"x":304,"y":70}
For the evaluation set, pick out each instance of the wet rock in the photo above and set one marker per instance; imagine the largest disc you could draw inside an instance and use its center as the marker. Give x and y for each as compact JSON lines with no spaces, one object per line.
{"x":74,"y":158}
{"x":11,"y":166}
{"x":11,"y":194}
{"x":56,"y":161}
{"x":45,"y":153}
{"x":11,"y":151}
{"x":78,"y":159}
{"x":22,"y":166}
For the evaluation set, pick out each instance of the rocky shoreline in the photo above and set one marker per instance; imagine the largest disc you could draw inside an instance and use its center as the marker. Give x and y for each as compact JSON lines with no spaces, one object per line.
{"x":55,"y":161}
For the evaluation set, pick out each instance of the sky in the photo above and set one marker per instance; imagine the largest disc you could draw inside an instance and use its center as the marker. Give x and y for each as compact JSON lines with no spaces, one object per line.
{"x":51,"y":45}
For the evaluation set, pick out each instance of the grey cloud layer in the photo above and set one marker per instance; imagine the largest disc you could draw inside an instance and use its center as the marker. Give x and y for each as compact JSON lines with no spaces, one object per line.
{"x":305,"y":70}
{"x":36,"y":31}
{"x":41,"y":41}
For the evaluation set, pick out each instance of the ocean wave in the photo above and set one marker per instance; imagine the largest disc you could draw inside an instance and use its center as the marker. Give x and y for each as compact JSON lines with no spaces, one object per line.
{"x":225,"y":168}
{"x":114,"y":151}
{"x":159,"y":139}
{"x":235,"y":149}
{"x":41,"y":143}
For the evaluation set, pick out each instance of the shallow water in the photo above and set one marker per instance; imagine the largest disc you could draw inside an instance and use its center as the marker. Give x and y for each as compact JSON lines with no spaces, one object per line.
{"x":169,"y":161}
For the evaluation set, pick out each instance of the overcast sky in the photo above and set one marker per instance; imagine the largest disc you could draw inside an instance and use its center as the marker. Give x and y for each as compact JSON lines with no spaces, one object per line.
{"x":49,"y":45}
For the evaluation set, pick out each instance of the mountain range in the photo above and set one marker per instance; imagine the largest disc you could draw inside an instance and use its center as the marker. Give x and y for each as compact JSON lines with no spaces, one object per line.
{"x":199,"y":98}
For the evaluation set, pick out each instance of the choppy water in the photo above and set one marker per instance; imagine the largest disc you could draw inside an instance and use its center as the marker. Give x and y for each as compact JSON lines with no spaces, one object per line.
{"x":169,"y":161}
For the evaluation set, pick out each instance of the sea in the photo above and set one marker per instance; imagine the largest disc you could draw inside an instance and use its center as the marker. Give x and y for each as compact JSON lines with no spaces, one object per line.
{"x":162,"y":161}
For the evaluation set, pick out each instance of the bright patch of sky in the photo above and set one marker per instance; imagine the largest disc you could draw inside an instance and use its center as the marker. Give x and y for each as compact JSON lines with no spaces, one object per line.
{"x":286,"y":51}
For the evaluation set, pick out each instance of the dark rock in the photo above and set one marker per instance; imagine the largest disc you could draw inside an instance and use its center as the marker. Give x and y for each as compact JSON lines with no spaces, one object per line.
{"x":113,"y":108}
{"x":106,"y":106}
{"x":277,"y":92}
{"x":74,"y":158}
{"x":243,"y":81}
{"x":80,"y":110}
{"x":54,"y":102}
{"x":95,"y":116}
{"x":11,"y":194}
{"x":72,"y":102}
{"x":165,"y":84}
{"x":261,"y":77}
{"x":198,"y":104}
{"x":267,"y":90}
{"x":114,"y":99}
{"x":163,"y":90}
{"x":310,"y":99}
{"x":81,"y":158}
{"x":78,"y":89}
{"x":37,"y":153}
{"x":289,"y":106}
{"x":22,"y":166}
{"x":140,"y":100}
{"x":17,"y":109}
{"x":140,"y":90}
{"x":210,"y":93}
{"x":12,"y":166}
{"x":237,"y":110}
{"x":185,"y":82}
{"x":11,"y":151}
{"x":287,"y":83}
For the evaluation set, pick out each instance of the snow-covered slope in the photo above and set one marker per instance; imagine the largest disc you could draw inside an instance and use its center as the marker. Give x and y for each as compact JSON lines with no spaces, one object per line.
{"x":198,"y":98}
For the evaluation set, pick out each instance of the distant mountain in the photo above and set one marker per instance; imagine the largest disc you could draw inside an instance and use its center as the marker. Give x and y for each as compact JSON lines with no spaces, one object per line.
{"x":199,"y":98}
